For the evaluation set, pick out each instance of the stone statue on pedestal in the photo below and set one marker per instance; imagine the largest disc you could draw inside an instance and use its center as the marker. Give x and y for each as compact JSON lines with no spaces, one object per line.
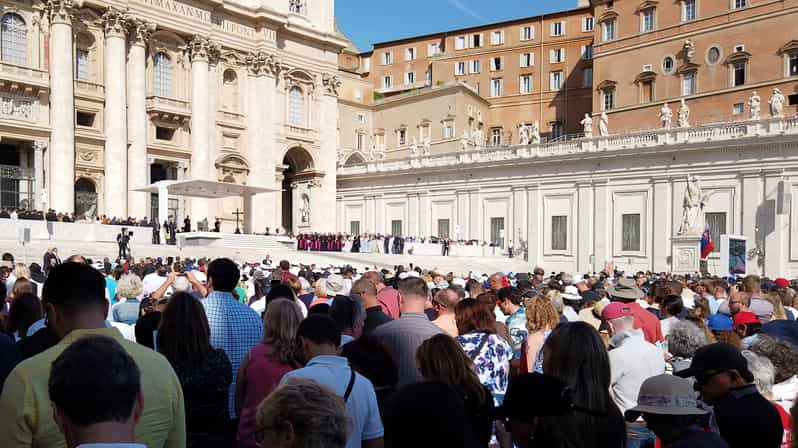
{"x":43,"y":200}
{"x":693,"y":208}
{"x":665,"y":116}
{"x":425,"y":147}
{"x":776,"y":104}
{"x":755,"y":105}
{"x":684,"y":115}
{"x":689,"y":50}
{"x":587,"y":126}
{"x":535,"y":133}
{"x":413,"y":146}
{"x":464,"y":141}
{"x":604,"y":123}
{"x":523,"y":134}
{"x":304,"y":211}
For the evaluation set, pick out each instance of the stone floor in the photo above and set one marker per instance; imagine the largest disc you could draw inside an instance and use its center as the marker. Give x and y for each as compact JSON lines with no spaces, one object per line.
{"x":33,"y":252}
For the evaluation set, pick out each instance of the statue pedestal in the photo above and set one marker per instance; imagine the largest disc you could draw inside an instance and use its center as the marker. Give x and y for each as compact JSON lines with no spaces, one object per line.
{"x":686,"y":254}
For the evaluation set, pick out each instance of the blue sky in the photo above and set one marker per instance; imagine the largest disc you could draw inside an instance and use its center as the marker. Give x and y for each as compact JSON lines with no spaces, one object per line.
{"x":368,"y":21}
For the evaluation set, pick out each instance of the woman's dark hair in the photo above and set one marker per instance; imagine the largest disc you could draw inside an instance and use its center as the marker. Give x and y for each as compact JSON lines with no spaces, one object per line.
{"x":183,"y":334}
{"x":117,"y":272}
{"x":344,"y":311}
{"x":441,"y":358}
{"x":575,"y":354}
{"x":369,"y":356}
{"x":145,"y":327}
{"x":672,"y":305}
{"x":280,"y":291}
{"x":24,"y":311}
{"x":473,"y":317}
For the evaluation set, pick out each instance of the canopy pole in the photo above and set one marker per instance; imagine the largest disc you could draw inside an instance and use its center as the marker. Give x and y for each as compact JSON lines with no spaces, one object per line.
{"x":163,"y":203}
{"x":248,"y":213}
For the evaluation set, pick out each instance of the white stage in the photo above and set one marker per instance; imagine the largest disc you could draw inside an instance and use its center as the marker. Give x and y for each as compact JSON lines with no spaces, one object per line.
{"x":11,"y":229}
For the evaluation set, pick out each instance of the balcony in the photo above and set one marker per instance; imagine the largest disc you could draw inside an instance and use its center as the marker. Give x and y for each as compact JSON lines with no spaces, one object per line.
{"x":625,"y":144}
{"x":300,"y":133}
{"x":231,"y":119}
{"x":168,"y":109}
{"x":23,"y":80}
{"x":89,"y":90}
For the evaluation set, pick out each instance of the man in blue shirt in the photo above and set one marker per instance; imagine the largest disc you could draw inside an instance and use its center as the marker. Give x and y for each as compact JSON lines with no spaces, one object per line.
{"x":320,"y":340}
{"x":235,"y":327}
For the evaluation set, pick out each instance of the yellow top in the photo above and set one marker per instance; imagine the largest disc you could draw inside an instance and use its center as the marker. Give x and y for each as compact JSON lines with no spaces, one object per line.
{"x":26,"y":416}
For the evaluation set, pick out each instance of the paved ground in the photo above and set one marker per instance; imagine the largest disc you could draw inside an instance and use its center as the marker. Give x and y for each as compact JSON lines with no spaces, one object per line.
{"x":33,"y":251}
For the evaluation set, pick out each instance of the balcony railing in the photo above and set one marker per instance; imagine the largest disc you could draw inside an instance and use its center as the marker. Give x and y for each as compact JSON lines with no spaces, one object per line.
{"x":168,"y":108}
{"x":300,"y":132}
{"x":89,"y":89}
{"x":25,"y":77}
{"x":578,"y":144}
{"x":230,"y":117}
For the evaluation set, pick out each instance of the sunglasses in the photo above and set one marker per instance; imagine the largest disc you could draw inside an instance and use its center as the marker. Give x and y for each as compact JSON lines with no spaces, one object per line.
{"x":704,"y":378}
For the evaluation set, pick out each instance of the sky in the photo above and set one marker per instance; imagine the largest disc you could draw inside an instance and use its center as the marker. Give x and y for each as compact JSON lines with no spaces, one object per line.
{"x":370,"y":21}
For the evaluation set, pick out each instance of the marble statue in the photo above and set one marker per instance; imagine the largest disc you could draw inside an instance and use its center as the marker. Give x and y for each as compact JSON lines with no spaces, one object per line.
{"x":523,"y":134}
{"x":665,"y":116}
{"x":413,"y":146}
{"x":478,"y":139}
{"x":425,"y":147}
{"x":535,"y":133}
{"x":587,"y":126}
{"x":684,"y":115}
{"x":693,"y":208}
{"x":43,"y":200}
{"x":689,"y":50}
{"x":755,"y":105}
{"x":464,"y":141}
{"x":776,"y":104}
{"x":305,"y":209}
{"x":604,"y":123}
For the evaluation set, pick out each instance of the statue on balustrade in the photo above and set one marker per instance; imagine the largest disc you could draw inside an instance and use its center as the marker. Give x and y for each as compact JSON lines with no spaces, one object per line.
{"x":464,"y":141}
{"x":665,"y":116}
{"x":693,"y":208}
{"x":587,"y":126}
{"x":604,"y":125}
{"x":684,"y":115}
{"x":535,"y":133}
{"x":523,"y":134}
{"x":304,"y":211}
{"x":776,"y":104}
{"x":755,"y":106}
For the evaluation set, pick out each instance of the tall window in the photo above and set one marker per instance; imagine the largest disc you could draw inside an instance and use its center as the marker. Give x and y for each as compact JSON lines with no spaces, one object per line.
{"x":740,"y":4}
{"x":555,"y":80}
{"x":587,"y":24}
{"x":525,"y":84}
{"x":496,"y":137}
{"x":82,"y":65}
{"x":387,"y":81}
{"x":608,"y":30}
{"x":410,"y":54}
{"x":497,"y":37}
{"x":647,"y":20}
{"x":401,"y":137}
{"x":387,"y":58}
{"x":738,"y":77}
{"x":630,"y":232}
{"x":607,"y":99}
{"x":410,"y":78}
{"x":296,"y":107}
{"x":433,"y":49}
{"x":13,"y":40}
{"x":527,"y":33}
{"x":587,"y":77}
{"x":556,"y":130}
{"x":558,"y":28}
{"x":162,"y":82}
{"x":476,"y":66}
{"x":459,"y":68}
{"x":443,"y":228}
{"x":793,"y":67}
{"x":448,"y":129}
{"x":556,"y":55}
{"x":496,"y":63}
{"x":354,"y":227}
{"x":647,"y":91}
{"x":559,"y":233}
{"x":527,"y":59}
{"x":360,"y":141}
{"x":476,"y":40}
{"x":496,"y":87}
{"x":460,"y":43}
{"x":497,"y":232}
{"x":587,"y":52}
{"x":688,"y":10}
{"x":688,"y":83}
{"x":717,"y":227}
{"x":396,"y":227}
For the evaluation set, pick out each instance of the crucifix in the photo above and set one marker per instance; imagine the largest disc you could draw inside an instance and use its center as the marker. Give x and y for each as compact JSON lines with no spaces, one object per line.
{"x":237,"y":213}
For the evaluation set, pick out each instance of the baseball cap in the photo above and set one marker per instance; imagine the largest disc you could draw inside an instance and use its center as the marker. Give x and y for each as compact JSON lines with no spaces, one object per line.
{"x":786,"y":330}
{"x":616,"y":310}
{"x":719,"y":356}
{"x":782,"y":283}
{"x":745,"y":317}
{"x":720,"y":322}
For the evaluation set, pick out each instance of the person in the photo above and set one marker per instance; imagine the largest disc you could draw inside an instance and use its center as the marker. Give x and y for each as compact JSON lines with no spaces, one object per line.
{"x":187,"y":224}
{"x":541,"y":318}
{"x":9,"y":357}
{"x":204,"y":372}
{"x":684,"y":339}
{"x":320,"y":341}
{"x":784,"y":356}
{"x":510,"y":305}
{"x":109,"y":414}
{"x":386,"y":295}
{"x":575,"y":354}
{"x":375,"y":316}
{"x":626,"y":291}
{"x":348,"y":315}
{"x":23,"y":312}
{"x":444,"y":302}
{"x":632,"y":360}
{"x":488,"y":300}
{"x":668,"y":406}
{"x":745,"y":418}
{"x":403,"y":336}
{"x":722,"y":327}
{"x":440,"y":358}
{"x":265,"y":365}
{"x":235,"y":327}
{"x":112,"y":281}
{"x":490,"y":354}
{"x":75,"y":294}
{"x":671,"y":308}
{"x":750,"y":298}
{"x":372,"y":360}
{"x":302,"y":413}
{"x":128,"y":290}
{"x":764,"y":375}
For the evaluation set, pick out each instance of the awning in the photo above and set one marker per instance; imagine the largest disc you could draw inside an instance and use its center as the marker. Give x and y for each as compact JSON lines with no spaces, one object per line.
{"x":204,"y":189}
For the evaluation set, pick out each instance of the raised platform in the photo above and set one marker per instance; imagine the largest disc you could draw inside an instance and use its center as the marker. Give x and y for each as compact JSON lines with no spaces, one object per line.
{"x":11,"y":229}
{"x":232,"y":241}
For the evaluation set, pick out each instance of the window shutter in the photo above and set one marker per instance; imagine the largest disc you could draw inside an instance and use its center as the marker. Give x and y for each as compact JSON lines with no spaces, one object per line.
{"x":551,"y":81}
{"x":562,"y":54}
{"x":551,"y":31}
{"x":531,"y":59}
{"x":562,"y":28}
{"x":552,"y":56}
{"x":521,"y":33}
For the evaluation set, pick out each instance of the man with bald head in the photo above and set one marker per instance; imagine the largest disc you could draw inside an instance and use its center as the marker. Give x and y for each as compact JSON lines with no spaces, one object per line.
{"x":367,"y":292}
{"x":444,"y":303}
{"x":386,"y":295}
{"x":496,"y":282}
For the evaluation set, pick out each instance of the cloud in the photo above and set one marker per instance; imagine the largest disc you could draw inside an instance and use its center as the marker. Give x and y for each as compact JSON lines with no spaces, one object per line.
{"x":467,"y":10}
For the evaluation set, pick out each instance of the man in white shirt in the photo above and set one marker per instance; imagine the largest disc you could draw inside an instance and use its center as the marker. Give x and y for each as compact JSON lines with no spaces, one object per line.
{"x":152,"y":282}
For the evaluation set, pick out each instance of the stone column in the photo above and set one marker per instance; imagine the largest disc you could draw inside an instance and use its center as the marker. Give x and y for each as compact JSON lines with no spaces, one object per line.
{"x":116,"y":185}
{"x":602,"y":204}
{"x":38,"y":172}
{"x":661,"y":225}
{"x":200,"y":51}
{"x":137,"y":165}
{"x":584,"y":241}
{"x":775,"y":226}
{"x":324,"y":220}
{"x":753,"y":196}
{"x":261,"y":86}
{"x":62,"y":106}
{"x":534,"y":223}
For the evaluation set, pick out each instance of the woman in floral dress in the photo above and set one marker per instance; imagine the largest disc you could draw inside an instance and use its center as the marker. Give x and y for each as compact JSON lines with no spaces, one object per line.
{"x":490,"y":353}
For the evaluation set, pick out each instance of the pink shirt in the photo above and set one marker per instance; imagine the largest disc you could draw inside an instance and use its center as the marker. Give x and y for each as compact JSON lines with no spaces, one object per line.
{"x":389,"y":301}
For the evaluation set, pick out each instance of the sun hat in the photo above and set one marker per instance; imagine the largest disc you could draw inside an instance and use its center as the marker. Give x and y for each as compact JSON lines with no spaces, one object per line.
{"x":616,"y":310}
{"x":665,"y":395}
{"x":625,"y":288}
{"x":332,"y":286}
{"x":571,"y":293}
{"x":720,"y":322}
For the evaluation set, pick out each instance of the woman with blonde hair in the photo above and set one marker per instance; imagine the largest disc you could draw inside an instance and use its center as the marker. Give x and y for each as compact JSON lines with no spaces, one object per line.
{"x":441,"y":359}
{"x":264,"y":366}
{"x":778,"y":308}
{"x":541,"y":318}
{"x":128,"y":291}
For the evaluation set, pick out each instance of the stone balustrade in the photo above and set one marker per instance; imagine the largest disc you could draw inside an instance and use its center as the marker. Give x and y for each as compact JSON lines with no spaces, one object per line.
{"x":563,"y":148}
{"x":300,"y":132}
{"x":90,"y":89}
{"x":168,"y":106}
{"x":11,"y":75}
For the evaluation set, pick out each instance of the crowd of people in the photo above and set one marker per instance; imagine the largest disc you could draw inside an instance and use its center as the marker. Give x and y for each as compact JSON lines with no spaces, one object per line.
{"x":219,"y":353}
{"x":373,"y":243}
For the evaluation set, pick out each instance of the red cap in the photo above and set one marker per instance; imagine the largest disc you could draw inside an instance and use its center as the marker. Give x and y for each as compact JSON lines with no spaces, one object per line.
{"x":745,"y":317}
{"x":616,"y":310}
{"x":782,"y":283}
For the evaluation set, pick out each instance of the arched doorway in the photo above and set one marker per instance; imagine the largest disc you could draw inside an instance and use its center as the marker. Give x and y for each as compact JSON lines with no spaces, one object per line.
{"x":298,"y":163}
{"x":85,"y":197}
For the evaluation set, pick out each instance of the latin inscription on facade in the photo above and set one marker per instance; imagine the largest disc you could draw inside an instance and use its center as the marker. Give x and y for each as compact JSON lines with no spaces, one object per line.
{"x":220,"y":21}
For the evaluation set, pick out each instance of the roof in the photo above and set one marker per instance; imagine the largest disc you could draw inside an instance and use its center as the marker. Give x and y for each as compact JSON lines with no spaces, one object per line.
{"x":350,"y":46}
{"x":204,"y":189}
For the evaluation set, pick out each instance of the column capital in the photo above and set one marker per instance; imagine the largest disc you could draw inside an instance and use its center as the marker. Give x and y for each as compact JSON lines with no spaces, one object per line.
{"x":261,"y":63}
{"x":115,"y":22}
{"x":140,"y":31}
{"x":61,"y":11}
{"x":202,"y":49}
{"x":40,"y":145}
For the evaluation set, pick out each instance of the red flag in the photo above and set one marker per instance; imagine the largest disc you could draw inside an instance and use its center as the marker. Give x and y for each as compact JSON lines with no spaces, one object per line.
{"x":707,"y":246}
